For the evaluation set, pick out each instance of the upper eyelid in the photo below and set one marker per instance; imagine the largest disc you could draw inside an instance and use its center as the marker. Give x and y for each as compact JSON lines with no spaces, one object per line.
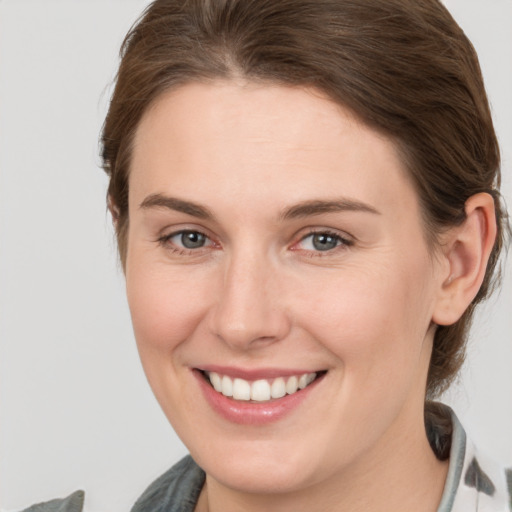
{"x":167,"y":232}
{"x":164,"y":237}
{"x":327,"y":232}
{"x":342,"y":235}
{"x":182,"y":231}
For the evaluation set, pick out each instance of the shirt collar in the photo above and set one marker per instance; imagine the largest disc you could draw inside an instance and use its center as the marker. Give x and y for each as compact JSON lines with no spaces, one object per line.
{"x":475,"y":483}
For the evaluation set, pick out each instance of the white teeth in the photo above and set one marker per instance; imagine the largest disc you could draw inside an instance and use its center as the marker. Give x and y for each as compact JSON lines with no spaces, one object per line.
{"x":278,"y":388}
{"x":216,"y":381}
{"x":303,"y":381}
{"x":306,"y":380}
{"x":292,"y":384}
{"x":227,"y":386}
{"x":241,"y":390}
{"x":260,"y":390}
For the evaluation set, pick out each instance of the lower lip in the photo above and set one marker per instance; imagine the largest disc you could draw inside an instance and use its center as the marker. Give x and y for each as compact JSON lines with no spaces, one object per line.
{"x":253,"y":413}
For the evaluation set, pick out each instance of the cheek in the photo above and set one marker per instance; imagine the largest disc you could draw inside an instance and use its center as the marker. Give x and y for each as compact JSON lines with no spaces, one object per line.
{"x":375,"y":325}
{"x":166,"y":304}
{"x":374,"y":321}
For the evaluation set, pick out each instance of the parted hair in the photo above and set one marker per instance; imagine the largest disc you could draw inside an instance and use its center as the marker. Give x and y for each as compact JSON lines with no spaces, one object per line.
{"x":403,"y":67}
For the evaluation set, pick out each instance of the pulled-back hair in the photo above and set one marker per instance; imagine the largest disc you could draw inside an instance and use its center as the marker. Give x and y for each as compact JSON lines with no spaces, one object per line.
{"x":404,"y":67}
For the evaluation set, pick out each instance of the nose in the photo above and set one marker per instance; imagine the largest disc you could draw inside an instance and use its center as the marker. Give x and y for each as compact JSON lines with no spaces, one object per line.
{"x":250,"y":310}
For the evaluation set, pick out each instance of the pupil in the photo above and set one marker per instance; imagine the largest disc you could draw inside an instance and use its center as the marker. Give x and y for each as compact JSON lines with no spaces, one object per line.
{"x":323,"y":242}
{"x":192,"y":239}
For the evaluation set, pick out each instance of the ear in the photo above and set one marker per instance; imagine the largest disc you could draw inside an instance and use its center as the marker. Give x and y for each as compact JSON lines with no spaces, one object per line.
{"x":113,"y":209}
{"x":466,"y":251}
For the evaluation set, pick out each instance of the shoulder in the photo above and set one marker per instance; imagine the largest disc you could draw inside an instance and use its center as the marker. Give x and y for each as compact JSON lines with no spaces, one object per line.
{"x":73,"y":503}
{"x":489,"y":481}
{"x":177,"y":490}
{"x":475,"y":482}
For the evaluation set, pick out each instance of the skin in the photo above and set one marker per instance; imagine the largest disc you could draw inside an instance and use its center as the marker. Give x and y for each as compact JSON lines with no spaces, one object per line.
{"x":259,"y":294}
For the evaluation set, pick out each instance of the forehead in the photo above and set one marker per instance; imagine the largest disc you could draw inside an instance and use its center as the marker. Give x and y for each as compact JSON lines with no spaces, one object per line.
{"x":235,"y":139}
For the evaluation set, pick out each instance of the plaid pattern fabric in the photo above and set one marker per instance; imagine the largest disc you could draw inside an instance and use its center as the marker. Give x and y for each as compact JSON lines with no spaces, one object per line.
{"x":475,"y":483}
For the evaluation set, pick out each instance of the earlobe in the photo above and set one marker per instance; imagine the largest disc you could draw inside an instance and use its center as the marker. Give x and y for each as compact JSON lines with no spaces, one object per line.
{"x":466,"y":250}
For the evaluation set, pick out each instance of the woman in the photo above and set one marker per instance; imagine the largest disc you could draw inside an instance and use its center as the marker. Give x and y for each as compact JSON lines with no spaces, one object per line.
{"x":306,"y":199}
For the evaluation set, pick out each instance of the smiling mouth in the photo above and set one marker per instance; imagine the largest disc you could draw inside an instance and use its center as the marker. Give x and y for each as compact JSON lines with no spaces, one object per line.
{"x":262,"y":390}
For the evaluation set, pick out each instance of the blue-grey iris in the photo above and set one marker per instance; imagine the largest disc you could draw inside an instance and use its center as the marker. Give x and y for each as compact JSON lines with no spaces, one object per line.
{"x":324,"y":242}
{"x":192,"y":239}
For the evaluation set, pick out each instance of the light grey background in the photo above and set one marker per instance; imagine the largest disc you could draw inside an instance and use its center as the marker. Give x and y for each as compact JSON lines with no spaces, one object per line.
{"x":76,"y":411}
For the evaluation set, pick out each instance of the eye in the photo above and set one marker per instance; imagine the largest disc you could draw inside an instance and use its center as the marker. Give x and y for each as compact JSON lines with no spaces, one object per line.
{"x":322,"y":241}
{"x":186,"y":239}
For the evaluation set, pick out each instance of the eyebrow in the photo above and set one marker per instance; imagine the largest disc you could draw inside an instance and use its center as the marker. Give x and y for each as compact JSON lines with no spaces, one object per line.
{"x":318,"y":207}
{"x":300,"y":210}
{"x":179,"y":205}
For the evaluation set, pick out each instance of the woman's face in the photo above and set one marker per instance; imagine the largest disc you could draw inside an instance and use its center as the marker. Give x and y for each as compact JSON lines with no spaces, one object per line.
{"x":274,"y":239}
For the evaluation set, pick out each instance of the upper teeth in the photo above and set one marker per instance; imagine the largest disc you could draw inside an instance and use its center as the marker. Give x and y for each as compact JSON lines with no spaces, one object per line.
{"x":259,"y":390}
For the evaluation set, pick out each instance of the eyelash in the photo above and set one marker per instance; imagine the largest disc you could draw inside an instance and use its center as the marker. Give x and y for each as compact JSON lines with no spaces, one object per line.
{"x":341,"y":242}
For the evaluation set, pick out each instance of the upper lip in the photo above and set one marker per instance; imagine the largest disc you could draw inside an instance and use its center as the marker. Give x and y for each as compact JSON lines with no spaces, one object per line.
{"x":252,"y":374}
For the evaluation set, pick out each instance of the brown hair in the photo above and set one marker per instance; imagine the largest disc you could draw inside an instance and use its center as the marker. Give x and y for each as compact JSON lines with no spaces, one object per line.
{"x":404,"y":67}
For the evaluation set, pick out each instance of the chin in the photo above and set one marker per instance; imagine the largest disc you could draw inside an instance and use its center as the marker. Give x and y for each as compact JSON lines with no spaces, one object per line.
{"x":259,"y":476}
{"x":261,"y":466}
